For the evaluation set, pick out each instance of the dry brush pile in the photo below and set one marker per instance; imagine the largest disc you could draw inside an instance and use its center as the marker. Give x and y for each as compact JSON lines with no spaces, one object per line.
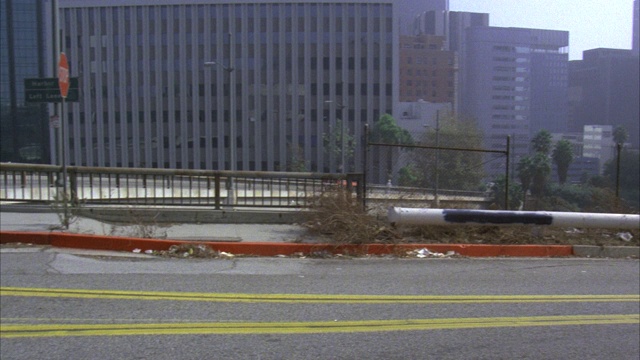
{"x":338,"y":216}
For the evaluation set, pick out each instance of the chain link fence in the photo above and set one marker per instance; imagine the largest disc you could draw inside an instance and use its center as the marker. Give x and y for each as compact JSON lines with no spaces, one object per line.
{"x":444,"y":167}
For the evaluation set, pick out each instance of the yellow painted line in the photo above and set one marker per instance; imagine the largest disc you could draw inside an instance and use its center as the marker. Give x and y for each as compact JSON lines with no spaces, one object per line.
{"x":307,"y":298}
{"x":244,"y":328}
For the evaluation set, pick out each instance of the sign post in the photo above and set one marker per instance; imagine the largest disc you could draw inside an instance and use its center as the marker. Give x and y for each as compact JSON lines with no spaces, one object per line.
{"x":63,"y":84}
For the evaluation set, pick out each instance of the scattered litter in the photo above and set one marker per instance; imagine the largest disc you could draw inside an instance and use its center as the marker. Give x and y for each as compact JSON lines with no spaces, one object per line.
{"x":574,"y":231}
{"x":424,"y":253}
{"x":148,"y":251}
{"x":192,"y":251}
{"x":625,"y":236}
{"x":137,"y":250}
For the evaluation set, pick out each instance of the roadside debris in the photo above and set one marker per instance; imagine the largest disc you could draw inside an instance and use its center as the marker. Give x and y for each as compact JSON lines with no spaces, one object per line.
{"x":425,"y":253}
{"x":191,"y":251}
{"x":624,"y":236}
{"x":574,"y":231}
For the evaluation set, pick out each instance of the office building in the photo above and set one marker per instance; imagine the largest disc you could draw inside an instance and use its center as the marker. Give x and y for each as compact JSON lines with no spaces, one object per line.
{"x":409,"y":10}
{"x":427,"y":71}
{"x":508,"y":74}
{"x":605,"y":89}
{"x":452,"y":26}
{"x":299,"y":70}
{"x":24,"y":133}
{"x":635,"y":46}
{"x":598,"y":143}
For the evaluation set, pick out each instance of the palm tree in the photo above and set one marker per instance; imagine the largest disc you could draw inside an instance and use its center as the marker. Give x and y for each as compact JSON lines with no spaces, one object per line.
{"x":541,"y":169}
{"x":541,"y":142}
{"x":620,"y":135}
{"x":562,"y":157}
{"x":525,"y":173}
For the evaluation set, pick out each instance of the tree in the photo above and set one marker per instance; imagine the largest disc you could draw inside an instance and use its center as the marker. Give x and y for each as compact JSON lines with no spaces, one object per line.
{"x":541,"y":142}
{"x":541,"y":171}
{"x":333,"y":144}
{"x":457,"y":169}
{"x":562,"y":157}
{"x":409,"y":176}
{"x":620,"y":135}
{"x":296,"y":161}
{"x":515,"y":193}
{"x":525,"y":173}
{"x":629,"y":175}
{"x":387,"y":131}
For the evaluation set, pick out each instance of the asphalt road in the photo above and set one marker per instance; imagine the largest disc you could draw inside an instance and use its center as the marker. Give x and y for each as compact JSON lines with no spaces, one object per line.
{"x":280,"y":308}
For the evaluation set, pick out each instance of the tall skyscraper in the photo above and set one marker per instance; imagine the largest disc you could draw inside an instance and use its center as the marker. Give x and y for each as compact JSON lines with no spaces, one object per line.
{"x":408,"y":10}
{"x":24,"y":133}
{"x":636,"y":28}
{"x":509,"y":72}
{"x":452,"y":26}
{"x":604,"y":89}
{"x":427,"y":71}
{"x":299,"y":70}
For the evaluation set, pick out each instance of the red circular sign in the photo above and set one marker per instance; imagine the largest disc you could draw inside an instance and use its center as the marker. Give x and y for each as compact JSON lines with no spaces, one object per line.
{"x":63,"y":75}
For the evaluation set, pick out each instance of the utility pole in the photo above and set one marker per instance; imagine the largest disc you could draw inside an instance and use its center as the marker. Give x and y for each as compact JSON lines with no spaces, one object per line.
{"x":436,"y":199}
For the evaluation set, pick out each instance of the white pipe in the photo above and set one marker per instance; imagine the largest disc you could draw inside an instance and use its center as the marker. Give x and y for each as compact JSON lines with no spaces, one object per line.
{"x":411,"y":216}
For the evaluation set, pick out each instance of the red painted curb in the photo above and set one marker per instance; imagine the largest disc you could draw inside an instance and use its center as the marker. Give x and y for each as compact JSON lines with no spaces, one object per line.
{"x":114,"y":243}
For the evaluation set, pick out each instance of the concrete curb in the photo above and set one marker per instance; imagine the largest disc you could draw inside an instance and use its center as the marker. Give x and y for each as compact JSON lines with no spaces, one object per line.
{"x":113,"y":243}
{"x":606,"y":251}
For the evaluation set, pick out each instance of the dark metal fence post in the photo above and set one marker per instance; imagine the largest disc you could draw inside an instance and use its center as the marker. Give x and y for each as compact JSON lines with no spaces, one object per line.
{"x":618,"y":151}
{"x":364,"y":168}
{"x":506,"y":182}
{"x":73,"y":186}
{"x":216,"y":180}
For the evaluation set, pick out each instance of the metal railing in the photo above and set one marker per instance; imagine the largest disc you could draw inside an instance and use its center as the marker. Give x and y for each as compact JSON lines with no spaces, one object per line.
{"x":135,"y":186}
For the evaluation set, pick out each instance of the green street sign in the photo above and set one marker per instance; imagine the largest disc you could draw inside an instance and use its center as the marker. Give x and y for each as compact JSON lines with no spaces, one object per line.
{"x":38,"y":90}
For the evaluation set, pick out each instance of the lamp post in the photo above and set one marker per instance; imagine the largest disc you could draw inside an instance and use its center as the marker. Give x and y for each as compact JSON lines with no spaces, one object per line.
{"x":343,"y":145}
{"x":436,"y":199}
{"x":231,"y":198}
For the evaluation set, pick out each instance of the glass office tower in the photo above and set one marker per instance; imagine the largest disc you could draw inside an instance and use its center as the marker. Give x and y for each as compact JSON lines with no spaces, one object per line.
{"x":24,"y":133}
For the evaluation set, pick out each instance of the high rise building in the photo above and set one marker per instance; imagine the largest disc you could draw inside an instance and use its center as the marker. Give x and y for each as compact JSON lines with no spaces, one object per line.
{"x":598,"y":144}
{"x":509,"y":72}
{"x":299,"y":70}
{"x":24,"y":133}
{"x":604,"y":89}
{"x":636,"y":28}
{"x":427,"y":71}
{"x":452,"y":26}
{"x":409,"y":10}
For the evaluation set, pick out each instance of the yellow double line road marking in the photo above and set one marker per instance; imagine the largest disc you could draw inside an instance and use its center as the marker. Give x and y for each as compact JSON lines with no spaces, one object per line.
{"x":308,"y":298}
{"x":235,"y":328}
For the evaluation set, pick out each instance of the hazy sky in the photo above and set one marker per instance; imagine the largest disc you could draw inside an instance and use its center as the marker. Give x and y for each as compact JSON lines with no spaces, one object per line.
{"x":591,"y":23}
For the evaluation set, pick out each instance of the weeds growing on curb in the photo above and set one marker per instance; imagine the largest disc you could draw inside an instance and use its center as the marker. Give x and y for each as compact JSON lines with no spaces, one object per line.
{"x":65,"y":210}
{"x":338,"y":215}
{"x":139,"y":227}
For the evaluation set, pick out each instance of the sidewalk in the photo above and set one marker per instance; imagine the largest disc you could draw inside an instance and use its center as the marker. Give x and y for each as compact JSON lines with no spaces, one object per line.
{"x":45,"y":222}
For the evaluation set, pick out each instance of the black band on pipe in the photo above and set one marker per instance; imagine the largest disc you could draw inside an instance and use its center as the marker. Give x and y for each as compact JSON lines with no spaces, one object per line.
{"x":496,"y":217}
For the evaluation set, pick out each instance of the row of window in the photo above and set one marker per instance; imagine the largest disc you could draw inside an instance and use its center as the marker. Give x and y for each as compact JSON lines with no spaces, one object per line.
{"x":166,"y":142}
{"x":226,"y":11}
{"x":174,"y":64}
{"x":245,"y":38}
{"x":315,"y":89}
{"x":425,"y":72}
